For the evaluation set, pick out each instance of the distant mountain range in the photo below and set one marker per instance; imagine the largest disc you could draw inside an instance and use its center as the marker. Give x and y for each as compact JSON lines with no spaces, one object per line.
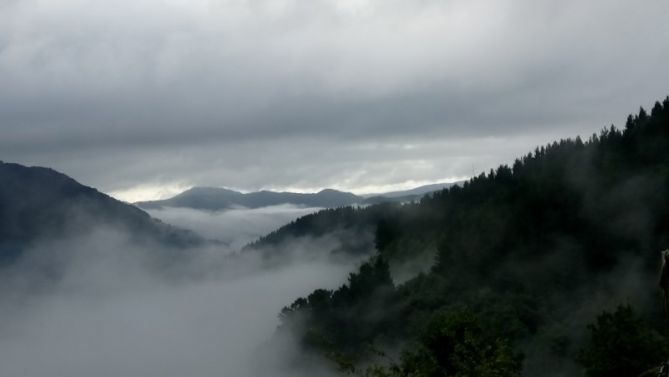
{"x":39,"y":204}
{"x":216,"y":198}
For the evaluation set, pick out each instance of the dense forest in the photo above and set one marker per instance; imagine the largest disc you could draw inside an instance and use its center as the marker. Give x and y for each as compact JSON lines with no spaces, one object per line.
{"x":547,"y":267}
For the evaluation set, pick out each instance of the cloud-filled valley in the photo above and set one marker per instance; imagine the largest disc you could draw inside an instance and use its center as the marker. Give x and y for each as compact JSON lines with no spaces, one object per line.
{"x":234,"y":227}
{"x":330,"y":188}
{"x":93,"y":286}
{"x":91,"y":306}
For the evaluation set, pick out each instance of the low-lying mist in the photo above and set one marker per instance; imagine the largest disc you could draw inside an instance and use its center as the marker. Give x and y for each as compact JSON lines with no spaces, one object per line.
{"x":95,"y":306}
{"x":234,"y":227}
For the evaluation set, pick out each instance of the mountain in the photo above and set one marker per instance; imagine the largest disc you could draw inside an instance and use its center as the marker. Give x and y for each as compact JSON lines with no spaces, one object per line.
{"x":38,"y":204}
{"x":555,"y":257}
{"x":214,"y":199}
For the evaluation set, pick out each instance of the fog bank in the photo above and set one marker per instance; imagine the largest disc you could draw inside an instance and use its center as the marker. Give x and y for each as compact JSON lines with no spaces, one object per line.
{"x":235,"y":227}
{"x":90,"y":307}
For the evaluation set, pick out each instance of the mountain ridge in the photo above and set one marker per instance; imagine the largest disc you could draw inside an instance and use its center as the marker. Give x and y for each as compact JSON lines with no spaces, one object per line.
{"x":220,"y":198}
{"x":39,"y":203}
{"x":215,"y":199}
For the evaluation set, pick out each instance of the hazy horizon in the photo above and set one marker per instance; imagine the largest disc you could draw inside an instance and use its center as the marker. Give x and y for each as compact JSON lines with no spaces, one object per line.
{"x":164,"y":192}
{"x":142,"y":98}
{"x":542,"y":263}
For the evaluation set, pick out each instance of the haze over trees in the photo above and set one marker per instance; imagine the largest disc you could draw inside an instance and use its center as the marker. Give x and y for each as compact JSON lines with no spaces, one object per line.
{"x":208,"y":188}
{"x":547,"y":267}
{"x":534,"y":251}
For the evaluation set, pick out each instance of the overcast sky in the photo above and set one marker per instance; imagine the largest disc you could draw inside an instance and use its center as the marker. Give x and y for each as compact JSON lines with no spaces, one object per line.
{"x":142,"y":98}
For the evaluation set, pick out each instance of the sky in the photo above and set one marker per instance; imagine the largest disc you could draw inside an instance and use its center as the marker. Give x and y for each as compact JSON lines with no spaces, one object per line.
{"x":145,"y":98}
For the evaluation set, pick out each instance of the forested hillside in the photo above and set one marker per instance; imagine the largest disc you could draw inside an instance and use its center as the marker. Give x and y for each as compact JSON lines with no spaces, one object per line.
{"x":40,"y":204}
{"x":547,"y":267}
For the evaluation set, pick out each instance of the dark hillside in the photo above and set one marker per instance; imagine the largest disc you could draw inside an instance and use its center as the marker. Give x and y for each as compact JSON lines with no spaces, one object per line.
{"x":42,"y":204}
{"x":533,"y":251}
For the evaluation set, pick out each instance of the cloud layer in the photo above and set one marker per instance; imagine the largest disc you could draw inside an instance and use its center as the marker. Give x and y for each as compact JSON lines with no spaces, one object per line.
{"x":258,"y":93}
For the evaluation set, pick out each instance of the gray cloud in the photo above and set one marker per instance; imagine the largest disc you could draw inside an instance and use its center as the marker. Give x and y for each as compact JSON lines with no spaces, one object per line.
{"x":250,"y":93}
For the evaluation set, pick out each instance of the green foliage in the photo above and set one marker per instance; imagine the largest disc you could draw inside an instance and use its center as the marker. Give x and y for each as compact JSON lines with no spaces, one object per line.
{"x":386,"y":231}
{"x":343,"y":323}
{"x":460,"y":347}
{"x":621,"y":344}
{"x":454,"y":344}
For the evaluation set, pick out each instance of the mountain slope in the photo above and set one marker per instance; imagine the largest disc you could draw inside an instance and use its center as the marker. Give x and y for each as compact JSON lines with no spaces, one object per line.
{"x":214,"y":198}
{"x":416,"y":191}
{"x":532,"y":252}
{"x":38,"y":204}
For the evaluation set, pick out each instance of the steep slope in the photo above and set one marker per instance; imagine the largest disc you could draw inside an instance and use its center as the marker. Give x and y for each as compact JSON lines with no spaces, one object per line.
{"x":38,"y":203}
{"x":415,"y":192}
{"x":213,"y":199}
{"x":531,"y":252}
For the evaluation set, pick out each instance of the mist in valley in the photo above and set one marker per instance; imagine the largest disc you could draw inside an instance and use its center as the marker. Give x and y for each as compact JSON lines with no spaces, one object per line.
{"x":100,"y":305}
{"x":263,"y":144}
{"x":234,"y":227}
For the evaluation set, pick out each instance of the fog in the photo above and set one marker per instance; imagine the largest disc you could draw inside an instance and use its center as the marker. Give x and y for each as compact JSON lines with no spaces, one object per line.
{"x":95,"y":306}
{"x":235,"y":227}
